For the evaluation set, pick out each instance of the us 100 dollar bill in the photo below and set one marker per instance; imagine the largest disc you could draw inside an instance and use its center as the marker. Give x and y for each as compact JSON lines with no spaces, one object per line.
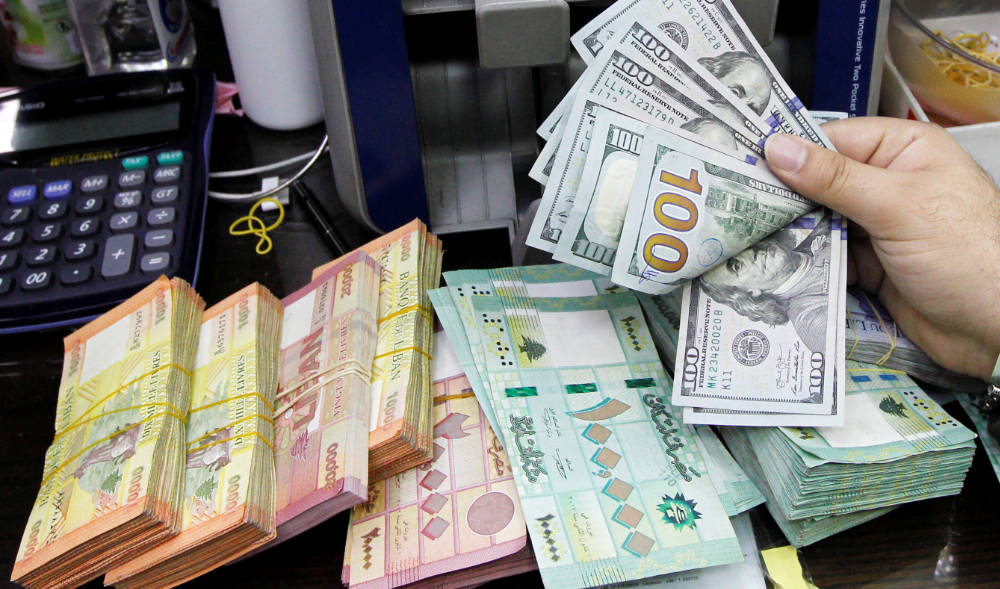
{"x":713,"y":32}
{"x":691,"y":209}
{"x":760,"y":332}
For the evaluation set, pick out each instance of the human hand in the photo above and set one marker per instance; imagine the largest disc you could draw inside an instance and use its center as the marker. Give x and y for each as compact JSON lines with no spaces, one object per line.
{"x":926,"y":238}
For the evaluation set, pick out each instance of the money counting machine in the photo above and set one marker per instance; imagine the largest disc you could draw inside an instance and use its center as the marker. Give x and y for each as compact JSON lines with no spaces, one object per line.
{"x":432,"y":105}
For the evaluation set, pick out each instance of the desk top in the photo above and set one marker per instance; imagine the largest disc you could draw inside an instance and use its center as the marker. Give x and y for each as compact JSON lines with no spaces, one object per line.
{"x":946,"y":542}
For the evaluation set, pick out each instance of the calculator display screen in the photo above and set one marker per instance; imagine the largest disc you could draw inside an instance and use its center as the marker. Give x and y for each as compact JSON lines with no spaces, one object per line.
{"x":93,"y":126}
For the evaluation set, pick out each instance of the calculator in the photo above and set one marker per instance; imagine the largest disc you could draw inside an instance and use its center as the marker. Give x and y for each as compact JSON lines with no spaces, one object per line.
{"x":103,"y":186}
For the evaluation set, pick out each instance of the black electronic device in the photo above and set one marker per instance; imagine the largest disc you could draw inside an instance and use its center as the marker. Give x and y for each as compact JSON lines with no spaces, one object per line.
{"x":103,"y":185}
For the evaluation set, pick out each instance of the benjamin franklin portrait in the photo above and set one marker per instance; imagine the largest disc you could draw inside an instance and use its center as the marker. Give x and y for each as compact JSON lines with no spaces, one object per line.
{"x":744,"y":74}
{"x":778,"y":281}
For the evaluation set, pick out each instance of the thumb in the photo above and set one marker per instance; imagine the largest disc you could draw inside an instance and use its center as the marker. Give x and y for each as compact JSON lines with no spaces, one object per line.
{"x":861,"y":192}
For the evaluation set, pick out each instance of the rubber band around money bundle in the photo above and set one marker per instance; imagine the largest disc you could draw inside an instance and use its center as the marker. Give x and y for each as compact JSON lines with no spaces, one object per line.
{"x":892,"y":340}
{"x":267,"y":418}
{"x":109,"y":437}
{"x":406,"y":349}
{"x":337,"y":373}
{"x":417,"y":307}
{"x":113,"y":411}
{"x":119,"y":389}
{"x":266,"y":403}
{"x":880,"y":370}
{"x":266,"y":442}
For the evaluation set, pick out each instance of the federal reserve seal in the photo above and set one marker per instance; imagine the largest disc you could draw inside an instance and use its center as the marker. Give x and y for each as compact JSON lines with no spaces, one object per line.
{"x":676,"y":32}
{"x":751,"y":347}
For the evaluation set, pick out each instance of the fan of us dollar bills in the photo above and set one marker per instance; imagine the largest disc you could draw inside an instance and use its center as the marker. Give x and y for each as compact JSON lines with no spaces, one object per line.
{"x":653,"y":175}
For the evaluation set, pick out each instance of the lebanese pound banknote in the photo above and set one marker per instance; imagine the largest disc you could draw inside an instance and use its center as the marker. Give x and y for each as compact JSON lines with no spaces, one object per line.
{"x":458,"y":511}
{"x":714,"y":34}
{"x":323,"y":407}
{"x":612,"y":487}
{"x":760,"y":332}
{"x":400,"y":434}
{"x":113,"y":475}
{"x":229,"y":488}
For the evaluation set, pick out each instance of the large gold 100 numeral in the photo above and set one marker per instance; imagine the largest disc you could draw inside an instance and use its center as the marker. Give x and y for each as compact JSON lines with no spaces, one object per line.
{"x":667,"y":221}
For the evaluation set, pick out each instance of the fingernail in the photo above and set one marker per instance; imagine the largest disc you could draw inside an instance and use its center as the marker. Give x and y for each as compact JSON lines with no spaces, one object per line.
{"x":785,"y":152}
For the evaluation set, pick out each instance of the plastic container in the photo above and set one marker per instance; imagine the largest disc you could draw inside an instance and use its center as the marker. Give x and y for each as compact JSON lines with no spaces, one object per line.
{"x":274,"y":61}
{"x":929,"y":62}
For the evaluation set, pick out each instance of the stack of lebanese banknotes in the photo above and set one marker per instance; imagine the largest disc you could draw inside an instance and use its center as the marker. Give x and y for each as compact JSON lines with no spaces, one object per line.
{"x":228,"y":506}
{"x":113,"y":480}
{"x":612,"y":486}
{"x":323,"y":406}
{"x":455,"y":521}
{"x":898,"y":446}
{"x":873,"y":336}
{"x":981,"y":420}
{"x":401,"y":397}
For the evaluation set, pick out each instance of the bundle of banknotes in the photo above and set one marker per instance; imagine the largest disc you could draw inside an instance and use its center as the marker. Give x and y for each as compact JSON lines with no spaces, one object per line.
{"x":612,"y":486}
{"x":455,"y":521}
{"x":228,"y":506}
{"x":401,"y":429}
{"x":113,"y":479}
{"x":819,"y":481}
{"x":873,"y":336}
{"x":981,"y":421}
{"x":653,"y":167}
{"x":323,"y":407}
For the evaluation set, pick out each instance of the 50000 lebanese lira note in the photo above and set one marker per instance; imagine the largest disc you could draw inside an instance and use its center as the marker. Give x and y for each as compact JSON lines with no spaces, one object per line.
{"x":712,"y":32}
{"x":759,"y":332}
{"x":691,"y":209}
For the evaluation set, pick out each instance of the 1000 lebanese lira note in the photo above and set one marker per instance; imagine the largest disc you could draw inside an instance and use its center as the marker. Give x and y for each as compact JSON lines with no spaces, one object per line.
{"x":759,"y":332}
{"x":714,"y":33}
{"x":692,"y":208}
{"x":613,"y":488}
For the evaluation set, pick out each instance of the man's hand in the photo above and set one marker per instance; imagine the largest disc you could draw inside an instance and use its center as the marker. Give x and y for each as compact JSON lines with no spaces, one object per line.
{"x":926,"y":237}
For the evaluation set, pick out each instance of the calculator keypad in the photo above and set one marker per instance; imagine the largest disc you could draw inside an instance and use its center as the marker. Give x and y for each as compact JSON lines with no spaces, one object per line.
{"x":92,"y":223}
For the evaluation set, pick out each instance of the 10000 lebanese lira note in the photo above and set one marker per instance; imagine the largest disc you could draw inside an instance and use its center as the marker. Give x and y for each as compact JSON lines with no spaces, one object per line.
{"x":713,"y":32}
{"x":759,"y":332}
{"x":691,"y":209}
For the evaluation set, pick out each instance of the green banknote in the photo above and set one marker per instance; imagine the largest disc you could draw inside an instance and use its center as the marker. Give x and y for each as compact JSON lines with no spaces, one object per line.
{"x":692,"y":208}
{"x":454,"y":307}
{"x":613,"y":487}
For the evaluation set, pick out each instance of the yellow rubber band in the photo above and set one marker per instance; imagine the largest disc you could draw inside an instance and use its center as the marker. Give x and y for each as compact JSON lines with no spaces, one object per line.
{"x":878,"y":370}
{"x":390,"y":353}
{"x":417,"y":307}
{"x":266,"y":418}
{"x":183,"y":370}
{"x":892,"y":340}
{"x":102,"y":414}
{"x":267,"y":442}
{"x":256,"y":226}
{"x":104,"y":439}
{"x":266,"y":403}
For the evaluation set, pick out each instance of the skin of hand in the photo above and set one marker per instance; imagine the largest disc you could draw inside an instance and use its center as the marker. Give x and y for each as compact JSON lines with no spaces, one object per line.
{"x":926,"y":229}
